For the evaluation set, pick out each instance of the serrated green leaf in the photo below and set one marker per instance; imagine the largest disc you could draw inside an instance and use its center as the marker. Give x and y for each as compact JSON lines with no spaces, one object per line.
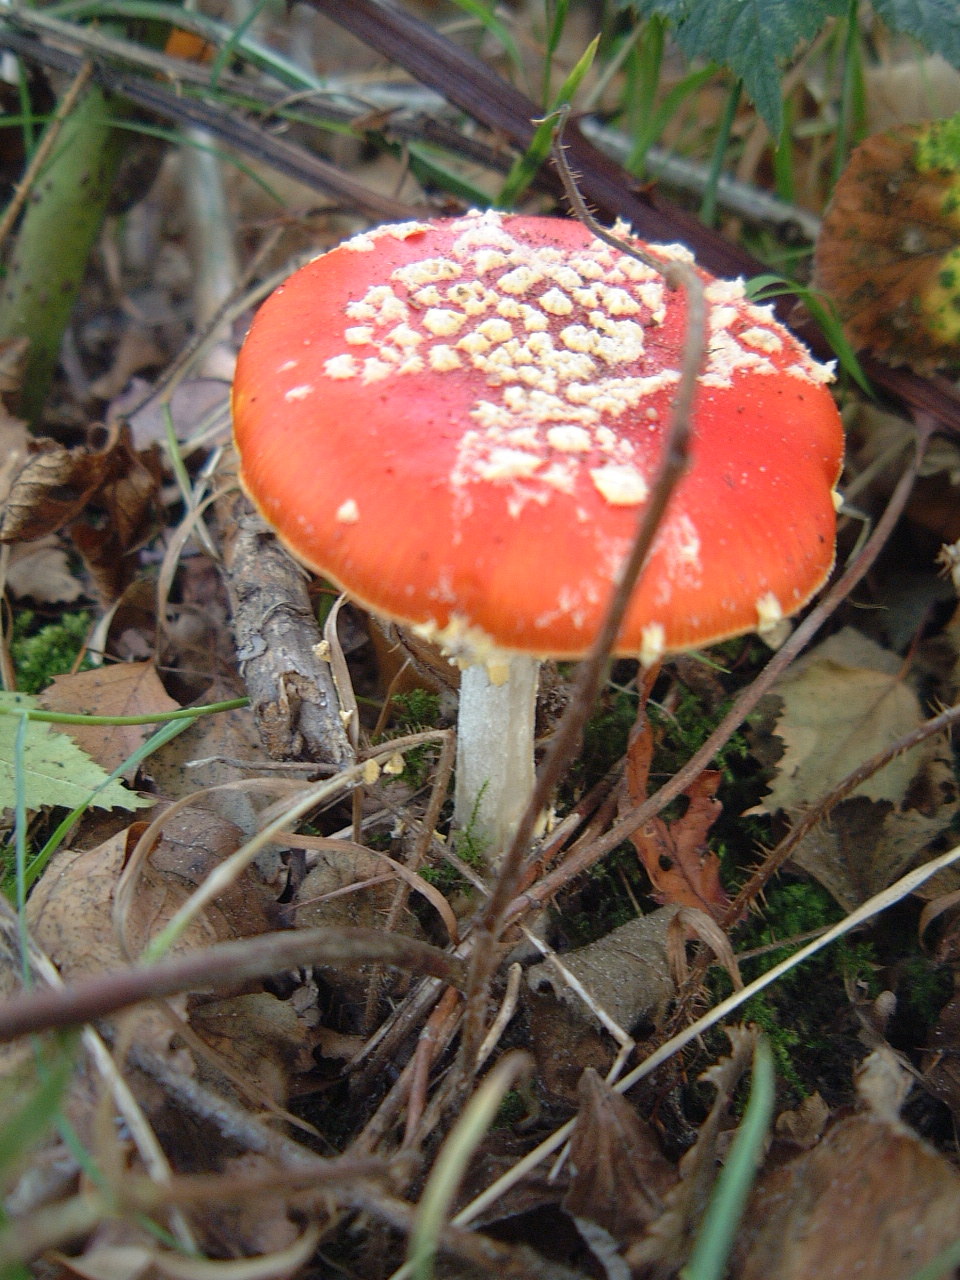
{"x":751,"y":37}
{"x":935,"y":23}
{"x":56,"y":771}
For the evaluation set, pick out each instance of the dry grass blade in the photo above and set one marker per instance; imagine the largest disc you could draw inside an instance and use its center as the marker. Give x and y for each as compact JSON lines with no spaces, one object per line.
{"x":901,"y":889}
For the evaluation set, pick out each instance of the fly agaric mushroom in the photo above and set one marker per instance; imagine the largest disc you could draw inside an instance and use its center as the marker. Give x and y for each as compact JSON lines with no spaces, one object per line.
{"x":458,"y":422}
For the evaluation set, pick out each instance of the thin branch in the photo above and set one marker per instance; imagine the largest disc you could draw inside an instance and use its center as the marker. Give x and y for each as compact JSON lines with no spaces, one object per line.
{"x":217,"y":967}
{"x":744,"y":704}
{"x":566,"y":739}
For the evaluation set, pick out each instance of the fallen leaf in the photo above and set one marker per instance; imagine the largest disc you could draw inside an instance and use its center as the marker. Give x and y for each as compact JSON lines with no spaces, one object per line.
{"x":136,"y":350}
{"x":124,"y":689}
{"x":261,"y":1036}
{"x":804,"y":1127}
{"x":41,"y":570}
{"x":669,"y":1238}
{"x":910,"y":91}
{"x":682,"y":870}
{"x":871,"y":1199}
{"x":619,"y":1174}
{"x":888,"y":253}
{"x":941,"y":1064}
{"x":105,"y":493}
{"x":55,"y":770}
{"x":842,"y":704}
{"x":867,"y":844}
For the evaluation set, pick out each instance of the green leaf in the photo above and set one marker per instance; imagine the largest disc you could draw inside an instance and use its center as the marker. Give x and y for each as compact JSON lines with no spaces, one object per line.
{"x":525,"y":167}
{"x":751,"y":37}
{"x":56,"y":771}
{"x":935,"y":23}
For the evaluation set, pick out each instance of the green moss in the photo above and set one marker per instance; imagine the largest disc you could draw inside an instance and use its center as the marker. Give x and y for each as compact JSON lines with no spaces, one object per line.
{"x":803,"y":1014}
{"x":939,"y":146}
{"x":415,"y":712}
{"x":923,"y":989}
{"x":417,"y":709}
{"x":40,"y":654}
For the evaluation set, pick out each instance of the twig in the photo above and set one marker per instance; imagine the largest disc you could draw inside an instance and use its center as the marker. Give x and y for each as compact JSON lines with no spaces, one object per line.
{"x":222,"y":965}
{"x":42,"y":153}
{"x":902,"y":888}
{"x":744,"y":704}
{"x":564,"y":743}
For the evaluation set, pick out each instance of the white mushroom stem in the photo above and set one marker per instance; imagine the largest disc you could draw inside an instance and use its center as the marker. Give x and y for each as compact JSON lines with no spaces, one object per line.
{"x":495,"y":733}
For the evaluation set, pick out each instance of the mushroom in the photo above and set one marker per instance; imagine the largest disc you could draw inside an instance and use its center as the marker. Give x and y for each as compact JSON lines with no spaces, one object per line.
{"x":457,"y":422}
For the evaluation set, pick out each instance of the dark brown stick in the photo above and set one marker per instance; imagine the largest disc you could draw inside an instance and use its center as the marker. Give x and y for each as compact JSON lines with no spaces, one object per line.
{"x":466,"y":81}
{"x":566,"y":739}
{"x":223,"y":965}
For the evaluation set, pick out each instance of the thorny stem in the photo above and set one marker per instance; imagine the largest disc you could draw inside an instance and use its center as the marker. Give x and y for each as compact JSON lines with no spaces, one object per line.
{"x":775,"y":859}
{"x":564,"y":743}
{"x":747,"y":700}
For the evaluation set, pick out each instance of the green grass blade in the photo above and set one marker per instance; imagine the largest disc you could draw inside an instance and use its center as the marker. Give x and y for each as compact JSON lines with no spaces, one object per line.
{"x":526,"y":166}
{"x":492,"y":24}
{"x":708,"y":1261}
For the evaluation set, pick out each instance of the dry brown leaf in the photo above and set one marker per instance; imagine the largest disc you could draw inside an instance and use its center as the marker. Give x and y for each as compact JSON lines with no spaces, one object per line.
{"x":105,"y":493}
{"x":804,"y":1127}
{"x":670,"y":1236}
{"x":888,"y":250}
{"x":941,"y":1065}
{"x":41,"y":570}
{"x":261,"y":1036}
{"x":871,"y":1199}
{"x":136,"y":350}
{"x":51,"y":489}
{"x":337,"y":870}
{"x":682,"y":870}
{"x":126,"y":689}
{"x":230,"y":734}
{"x":619,"y":1174}
{"x":865,"y":844}
{"x":843,"y":703}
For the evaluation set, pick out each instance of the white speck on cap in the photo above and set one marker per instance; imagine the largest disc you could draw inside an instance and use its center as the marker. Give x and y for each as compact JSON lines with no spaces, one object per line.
{"x":569,"y":439}
{"x":338,"y":367}
{"x":556,"y":302}
{"x":621,"y":486}
{"x":428,"y":271}
{"x":769,"y":613}
{"x":443,"y":323}
{"x":358,"y":335}
{"x":653,"y":640}
{"x":348,"y":512}
{"x":508,"y":464}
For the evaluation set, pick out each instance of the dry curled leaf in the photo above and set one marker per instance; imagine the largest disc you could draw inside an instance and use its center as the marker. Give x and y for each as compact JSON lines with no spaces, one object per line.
{"x":682,"y":870}
{"x":103,"y":492}
{"x":888,"y":253}
{"x":125,"y":689}
{"x":870,"y":1199}
{"x":619,"y":1174}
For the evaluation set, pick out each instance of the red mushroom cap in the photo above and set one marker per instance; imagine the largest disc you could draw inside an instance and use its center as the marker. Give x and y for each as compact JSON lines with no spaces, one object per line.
{"x":458,"y":422}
